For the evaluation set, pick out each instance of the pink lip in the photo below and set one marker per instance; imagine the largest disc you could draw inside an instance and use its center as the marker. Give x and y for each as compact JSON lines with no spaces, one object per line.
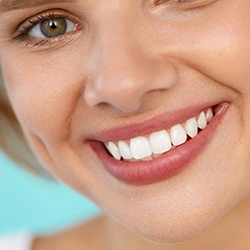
{"x":156,"y":123}
{"x":167,"y":165}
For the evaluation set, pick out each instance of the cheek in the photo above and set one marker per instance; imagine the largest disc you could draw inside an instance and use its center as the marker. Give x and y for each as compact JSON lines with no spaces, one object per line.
{"x":222,"y":49}
{"x":43,"y":97}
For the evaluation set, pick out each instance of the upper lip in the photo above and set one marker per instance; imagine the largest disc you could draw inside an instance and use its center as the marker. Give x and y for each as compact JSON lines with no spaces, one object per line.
{"x":152,"y":124}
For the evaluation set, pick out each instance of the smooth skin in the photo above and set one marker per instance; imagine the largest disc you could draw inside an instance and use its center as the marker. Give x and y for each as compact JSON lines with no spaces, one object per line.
{"x":125,"y":62}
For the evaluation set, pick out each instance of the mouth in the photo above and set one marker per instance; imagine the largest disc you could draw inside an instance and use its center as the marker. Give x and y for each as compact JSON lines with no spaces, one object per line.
{"x":152,"y":146}
{"x":160,"y":153}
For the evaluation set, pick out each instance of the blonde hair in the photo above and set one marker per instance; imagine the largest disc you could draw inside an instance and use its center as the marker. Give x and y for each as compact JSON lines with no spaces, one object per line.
{"x":12,"y":140}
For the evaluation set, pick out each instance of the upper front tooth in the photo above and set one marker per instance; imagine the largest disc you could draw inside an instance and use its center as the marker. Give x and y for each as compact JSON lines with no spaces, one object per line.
{"x":125,"y":150}
{"x":191,"y":127}
{"x":202,"y":121}
{"x":209,"y":115}
{"x":160,"y":142}
{"x":140,"y":147}
{"x":178,"y":135}
{"x":113,"y":149}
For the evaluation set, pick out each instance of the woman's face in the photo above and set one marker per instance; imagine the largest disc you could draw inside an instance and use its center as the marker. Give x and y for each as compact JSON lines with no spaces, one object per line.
{"x":80,"y":74}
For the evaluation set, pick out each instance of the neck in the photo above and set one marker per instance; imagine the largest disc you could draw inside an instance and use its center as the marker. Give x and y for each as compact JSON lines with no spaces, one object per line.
{"x":230,"y":232}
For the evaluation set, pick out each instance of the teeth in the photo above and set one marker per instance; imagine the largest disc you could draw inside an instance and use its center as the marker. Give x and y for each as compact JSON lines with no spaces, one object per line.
{"x":202,"y":121}
{"x":178,"y":135}
{"x":209,"y":115}
{"x":160,"y":142}
{"x":140,"y":148}
{"x":147,"y":148}
{"x":125,"y":150}
{"x":113,"y":149}
{"x":191,"y":127}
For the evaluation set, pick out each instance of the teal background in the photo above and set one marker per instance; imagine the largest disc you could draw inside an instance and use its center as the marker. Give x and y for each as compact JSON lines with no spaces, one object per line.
{"x":29,"y":203}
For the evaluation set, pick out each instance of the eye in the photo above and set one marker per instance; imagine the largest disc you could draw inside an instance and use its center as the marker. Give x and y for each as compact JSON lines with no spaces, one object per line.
{"x":52,"y":27}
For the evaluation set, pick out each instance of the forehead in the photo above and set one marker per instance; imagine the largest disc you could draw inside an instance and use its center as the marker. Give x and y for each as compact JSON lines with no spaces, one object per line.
{"x":6,"y":5}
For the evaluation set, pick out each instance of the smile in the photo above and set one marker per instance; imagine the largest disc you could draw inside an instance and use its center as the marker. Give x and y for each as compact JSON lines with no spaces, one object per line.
{"x":151,"y":153}
{"x":152,"y":146}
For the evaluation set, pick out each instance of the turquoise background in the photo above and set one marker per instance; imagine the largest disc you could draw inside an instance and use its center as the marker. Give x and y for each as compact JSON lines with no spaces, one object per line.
{"x":28,"y":203}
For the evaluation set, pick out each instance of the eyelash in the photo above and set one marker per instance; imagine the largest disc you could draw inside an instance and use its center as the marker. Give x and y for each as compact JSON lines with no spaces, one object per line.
{"x":29,"y":24}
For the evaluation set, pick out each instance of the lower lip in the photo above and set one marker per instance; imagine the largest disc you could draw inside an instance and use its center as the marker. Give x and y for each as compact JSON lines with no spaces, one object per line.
{"x":166,"y":166}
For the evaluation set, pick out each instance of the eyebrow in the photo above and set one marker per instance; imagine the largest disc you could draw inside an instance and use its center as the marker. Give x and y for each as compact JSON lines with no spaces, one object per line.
{"x":7,"y":5}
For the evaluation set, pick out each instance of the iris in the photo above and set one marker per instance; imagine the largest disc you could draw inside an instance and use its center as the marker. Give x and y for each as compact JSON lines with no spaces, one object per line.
{"x":53,"y":27}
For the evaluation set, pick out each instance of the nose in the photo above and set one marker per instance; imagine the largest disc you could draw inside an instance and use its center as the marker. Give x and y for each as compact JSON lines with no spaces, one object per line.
{"x":126,"y":72}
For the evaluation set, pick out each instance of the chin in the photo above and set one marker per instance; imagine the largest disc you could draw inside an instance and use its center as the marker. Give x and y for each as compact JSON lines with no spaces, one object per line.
{"x":166,"y":234}
{"x":186,"y":227}
{"x":173,"y":236}
{"x":175,"y":228}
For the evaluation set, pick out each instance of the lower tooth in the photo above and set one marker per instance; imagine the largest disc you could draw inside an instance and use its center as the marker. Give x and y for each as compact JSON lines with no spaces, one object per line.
{"x":156,"y":155}
{"x":131,"y":160}
{"x":150,"y":158}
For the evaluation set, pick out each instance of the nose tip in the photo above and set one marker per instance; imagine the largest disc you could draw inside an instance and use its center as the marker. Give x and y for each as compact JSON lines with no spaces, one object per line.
{"x":125,"y":87}
{"x":121,"y":95}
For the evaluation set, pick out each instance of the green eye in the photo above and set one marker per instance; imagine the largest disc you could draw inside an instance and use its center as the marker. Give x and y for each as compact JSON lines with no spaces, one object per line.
{"x":51,"y":28}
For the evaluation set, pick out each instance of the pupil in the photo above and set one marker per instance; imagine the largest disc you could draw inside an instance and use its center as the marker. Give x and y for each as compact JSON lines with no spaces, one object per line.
{"x":53,"y":25}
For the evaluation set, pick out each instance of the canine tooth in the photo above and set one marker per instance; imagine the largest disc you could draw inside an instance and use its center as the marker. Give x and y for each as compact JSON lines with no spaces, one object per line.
{"x":160,"y":142}
{"x":140,"y":147}
{"x":178,"y":135}
{"x":124,"y":150}
{"x":107,"y":146}
{"x":202,"y":121}
{"x":209,"y":115}
{"x":114,"y":150}
{"x":191,"y":127}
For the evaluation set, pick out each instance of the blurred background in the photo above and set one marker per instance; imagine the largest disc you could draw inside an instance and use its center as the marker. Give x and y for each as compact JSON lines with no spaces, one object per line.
{"x":31,"y":204}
